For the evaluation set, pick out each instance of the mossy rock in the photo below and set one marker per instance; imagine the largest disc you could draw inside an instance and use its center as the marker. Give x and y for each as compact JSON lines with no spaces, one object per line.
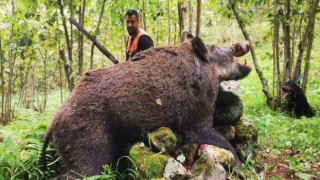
{"x":206,"y":167}
{"x":174,"y":170}
{"x":163,"y":139}
{"x":151,"y":165}
{"x":203,"y":165}
{"x":223,"y":156}
{"x":246,"y":132}
{"x":246,"y":140}
{"x":186,"y":154}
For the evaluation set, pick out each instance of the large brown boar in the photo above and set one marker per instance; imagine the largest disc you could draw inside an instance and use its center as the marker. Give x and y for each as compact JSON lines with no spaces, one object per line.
{"x":171,"y":86}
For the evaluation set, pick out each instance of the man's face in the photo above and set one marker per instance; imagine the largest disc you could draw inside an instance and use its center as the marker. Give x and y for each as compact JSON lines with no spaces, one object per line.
{"x":132,"y":25}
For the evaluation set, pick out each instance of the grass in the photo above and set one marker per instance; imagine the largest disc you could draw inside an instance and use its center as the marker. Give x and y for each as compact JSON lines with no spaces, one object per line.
{"x":293,"y":142}
{"x":22,"y":142}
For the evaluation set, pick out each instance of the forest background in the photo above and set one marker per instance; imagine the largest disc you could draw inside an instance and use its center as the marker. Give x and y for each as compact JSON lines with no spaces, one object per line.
{"x":43,"y":56}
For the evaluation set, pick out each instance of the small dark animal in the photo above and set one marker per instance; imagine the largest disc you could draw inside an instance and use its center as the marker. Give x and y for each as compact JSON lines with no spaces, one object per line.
{"x":172,"y":86}
{"x":296,"y":100}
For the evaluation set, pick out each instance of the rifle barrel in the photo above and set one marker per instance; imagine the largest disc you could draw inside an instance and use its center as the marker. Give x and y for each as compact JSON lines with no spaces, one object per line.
{"x":82,"y":30}
{"x":95,"y":42}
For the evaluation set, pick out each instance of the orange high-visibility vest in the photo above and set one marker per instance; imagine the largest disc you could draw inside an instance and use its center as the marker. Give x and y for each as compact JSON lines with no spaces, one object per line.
{"x":133,"y":46}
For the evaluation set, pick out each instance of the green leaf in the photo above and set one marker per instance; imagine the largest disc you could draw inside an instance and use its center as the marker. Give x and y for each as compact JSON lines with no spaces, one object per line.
{"x":270,"y":168}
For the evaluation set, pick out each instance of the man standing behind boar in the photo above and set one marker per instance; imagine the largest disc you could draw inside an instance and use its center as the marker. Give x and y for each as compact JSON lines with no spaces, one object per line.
{"x":138,"y":39}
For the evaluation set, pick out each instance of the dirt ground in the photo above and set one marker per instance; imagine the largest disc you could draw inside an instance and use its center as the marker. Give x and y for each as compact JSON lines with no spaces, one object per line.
{"x":278,"y":166}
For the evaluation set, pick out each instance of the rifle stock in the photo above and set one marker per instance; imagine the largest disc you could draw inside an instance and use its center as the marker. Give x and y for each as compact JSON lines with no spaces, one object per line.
{"x":95,"y":42}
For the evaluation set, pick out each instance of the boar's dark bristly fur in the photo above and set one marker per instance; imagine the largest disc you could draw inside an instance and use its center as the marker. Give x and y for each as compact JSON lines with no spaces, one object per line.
{"x":113,"y":107}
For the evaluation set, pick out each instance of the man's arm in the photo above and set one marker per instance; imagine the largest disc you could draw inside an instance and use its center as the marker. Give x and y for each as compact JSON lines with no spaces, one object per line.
{"x":145,"y":42}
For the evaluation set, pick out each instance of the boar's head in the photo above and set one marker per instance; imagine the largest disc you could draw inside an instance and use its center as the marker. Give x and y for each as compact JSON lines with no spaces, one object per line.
{"x":224,"y":58}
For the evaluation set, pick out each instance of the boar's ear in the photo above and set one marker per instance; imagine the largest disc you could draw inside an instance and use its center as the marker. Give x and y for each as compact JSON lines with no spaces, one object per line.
{"x":200,"y":48}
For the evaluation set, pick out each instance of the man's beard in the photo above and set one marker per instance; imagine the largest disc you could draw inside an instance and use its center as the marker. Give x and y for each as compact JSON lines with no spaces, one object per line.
{"x":132,"y":31}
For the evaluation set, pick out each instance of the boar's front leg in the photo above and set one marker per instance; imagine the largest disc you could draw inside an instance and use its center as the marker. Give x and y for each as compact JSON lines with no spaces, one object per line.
{"x":208,"y":135}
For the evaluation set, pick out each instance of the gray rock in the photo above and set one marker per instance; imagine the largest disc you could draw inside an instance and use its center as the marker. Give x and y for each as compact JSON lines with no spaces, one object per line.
{"x":229,"y":107}
{"x":223,"y":156}
{"x":174,"y":170}
{"x":207,"y":167}
{"x":229,"y":90}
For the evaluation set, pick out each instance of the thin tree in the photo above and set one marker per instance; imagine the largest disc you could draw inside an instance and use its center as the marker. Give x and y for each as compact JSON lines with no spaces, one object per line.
{"x":8,"y":112}
{"x":295,"y":34}
{"x":190,"y":3}
{"x":307,"y":62}
{"x":2,"y":82}
{"x":254,"y":58}
{"x":59,"y":63}
{"x":97,"y":32}
{"x":68,"y":66}
{"x":144,"y":19}
{"x":198,"y":17}
{"x":303,"y":42}
{"x":42,"y":107}
{"x":81,"y":13}
{"x":157,"y":25}
{"x":276,"y":70}
{"x":286,"y":41}
{"x":169,"y":22}
{"x":182,"y":18}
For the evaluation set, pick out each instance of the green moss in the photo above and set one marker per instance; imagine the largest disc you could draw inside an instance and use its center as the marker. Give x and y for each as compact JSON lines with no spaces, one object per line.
{"x":150,"y":164}
{"x":203,"y":164}
{"x":163,"y":139}
{"x":245,"y":131}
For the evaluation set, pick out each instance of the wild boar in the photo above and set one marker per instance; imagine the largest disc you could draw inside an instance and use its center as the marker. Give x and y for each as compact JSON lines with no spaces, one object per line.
{"x":171,"y":86}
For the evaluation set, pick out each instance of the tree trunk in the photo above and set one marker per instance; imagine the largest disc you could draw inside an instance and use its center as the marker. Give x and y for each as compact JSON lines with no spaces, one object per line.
{"x":182,"y":16}
{"x":69,"y":45}
{"x":24,"y":91}
{"x":66,"y":65}
{"x":2,"y":84}
{"x":169,"y":23}
{"x":254,"y":58}
{"x":198,"y":17}
{"x":286,"y":42}
{"x":293,"y":44}
{"x":60,"y":77}
{"x":96,"y":32}
{"x":307,"y":63}
{"x":71,"y":48}
{"x":302,"y":44}
{"x":190,"y":16}
{"x":11,"y":60}
{"x":157,"y":26}
{"x":80,"y":40}
{"x":144,"y":15}
{"x":33,"y":86}
{"x":42,"y":107}
{"x":61,"y":84}
{"x":276,"y":68}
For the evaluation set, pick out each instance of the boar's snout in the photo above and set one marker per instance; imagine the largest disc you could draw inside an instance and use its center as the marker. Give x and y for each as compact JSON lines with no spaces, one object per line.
{"x":241,"y":49}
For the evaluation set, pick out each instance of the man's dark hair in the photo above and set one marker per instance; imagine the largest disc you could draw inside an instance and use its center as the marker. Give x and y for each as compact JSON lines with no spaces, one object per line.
{"x":131,"y":12}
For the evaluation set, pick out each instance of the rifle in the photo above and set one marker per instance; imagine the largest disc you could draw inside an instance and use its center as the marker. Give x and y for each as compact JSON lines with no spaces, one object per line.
{"x":95,"y":42}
